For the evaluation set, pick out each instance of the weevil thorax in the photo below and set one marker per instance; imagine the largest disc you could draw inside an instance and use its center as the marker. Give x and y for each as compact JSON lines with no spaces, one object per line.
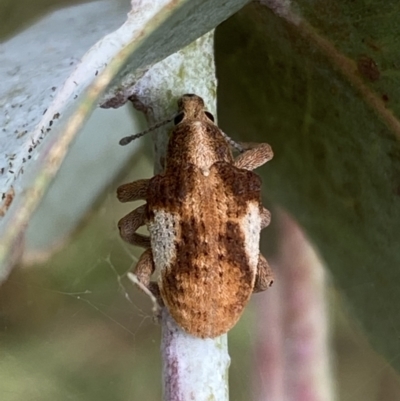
{"x":196,"y":139}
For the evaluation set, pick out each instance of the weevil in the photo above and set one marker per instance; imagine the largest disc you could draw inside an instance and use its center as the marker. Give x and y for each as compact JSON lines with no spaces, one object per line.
{"x":204,"y":215}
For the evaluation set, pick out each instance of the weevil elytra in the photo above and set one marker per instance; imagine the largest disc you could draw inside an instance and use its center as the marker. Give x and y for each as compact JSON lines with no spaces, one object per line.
{"x":204,"y":215}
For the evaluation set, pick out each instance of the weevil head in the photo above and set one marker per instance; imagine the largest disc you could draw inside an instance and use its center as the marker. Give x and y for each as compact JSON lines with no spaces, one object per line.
{"x":196,"y":140}
{"x":191,"y":107}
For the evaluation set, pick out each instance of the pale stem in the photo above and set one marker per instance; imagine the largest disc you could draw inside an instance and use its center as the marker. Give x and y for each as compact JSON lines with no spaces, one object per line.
{"x":193,"y":369}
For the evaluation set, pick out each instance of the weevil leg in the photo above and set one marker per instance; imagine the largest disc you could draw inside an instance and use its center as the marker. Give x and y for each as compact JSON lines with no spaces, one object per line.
{"x":264,"y":277}
{"x":255,"y":155}
{"x":132,"y":191}
{"x":129,"y":224}
{"x":143,"y":271}
{"x":265,"y":218}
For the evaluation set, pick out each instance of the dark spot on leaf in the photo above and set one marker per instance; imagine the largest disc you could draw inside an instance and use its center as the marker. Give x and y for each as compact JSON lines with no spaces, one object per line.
{"x":368,"y":68}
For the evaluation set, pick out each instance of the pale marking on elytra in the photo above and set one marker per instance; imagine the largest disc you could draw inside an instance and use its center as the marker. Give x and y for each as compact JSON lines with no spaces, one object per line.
{"x":251,"y":227}
{"x":163,"y":233}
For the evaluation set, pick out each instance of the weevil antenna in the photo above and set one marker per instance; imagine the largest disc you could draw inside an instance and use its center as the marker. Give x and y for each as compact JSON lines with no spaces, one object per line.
{"x":128,"y":139}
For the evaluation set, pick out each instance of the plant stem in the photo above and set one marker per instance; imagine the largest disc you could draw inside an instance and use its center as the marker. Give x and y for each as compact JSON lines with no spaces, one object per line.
{"x":193,"y":369}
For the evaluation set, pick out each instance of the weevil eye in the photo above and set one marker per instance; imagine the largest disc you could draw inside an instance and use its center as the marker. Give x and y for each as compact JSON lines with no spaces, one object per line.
{"x":209,"y":116}
{"x":179,"y":118}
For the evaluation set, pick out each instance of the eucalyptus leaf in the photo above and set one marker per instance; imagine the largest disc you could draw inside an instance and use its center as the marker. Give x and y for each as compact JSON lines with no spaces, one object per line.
{"x":152,"y":32}
{"x":319,"y":81}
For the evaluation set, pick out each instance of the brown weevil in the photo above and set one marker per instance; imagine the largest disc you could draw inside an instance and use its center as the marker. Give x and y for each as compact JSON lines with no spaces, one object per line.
{"x":204,"y":215}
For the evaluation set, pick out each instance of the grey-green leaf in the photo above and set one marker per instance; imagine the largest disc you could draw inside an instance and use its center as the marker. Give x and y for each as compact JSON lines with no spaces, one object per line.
{"x":319,"y":81}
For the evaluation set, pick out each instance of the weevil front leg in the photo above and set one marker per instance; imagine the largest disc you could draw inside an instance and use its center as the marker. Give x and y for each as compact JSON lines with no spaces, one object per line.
{"x":264,"y":277}
{"x":254,"y":155}
{"x":132,"y":191}
{"x":129,"y":224}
